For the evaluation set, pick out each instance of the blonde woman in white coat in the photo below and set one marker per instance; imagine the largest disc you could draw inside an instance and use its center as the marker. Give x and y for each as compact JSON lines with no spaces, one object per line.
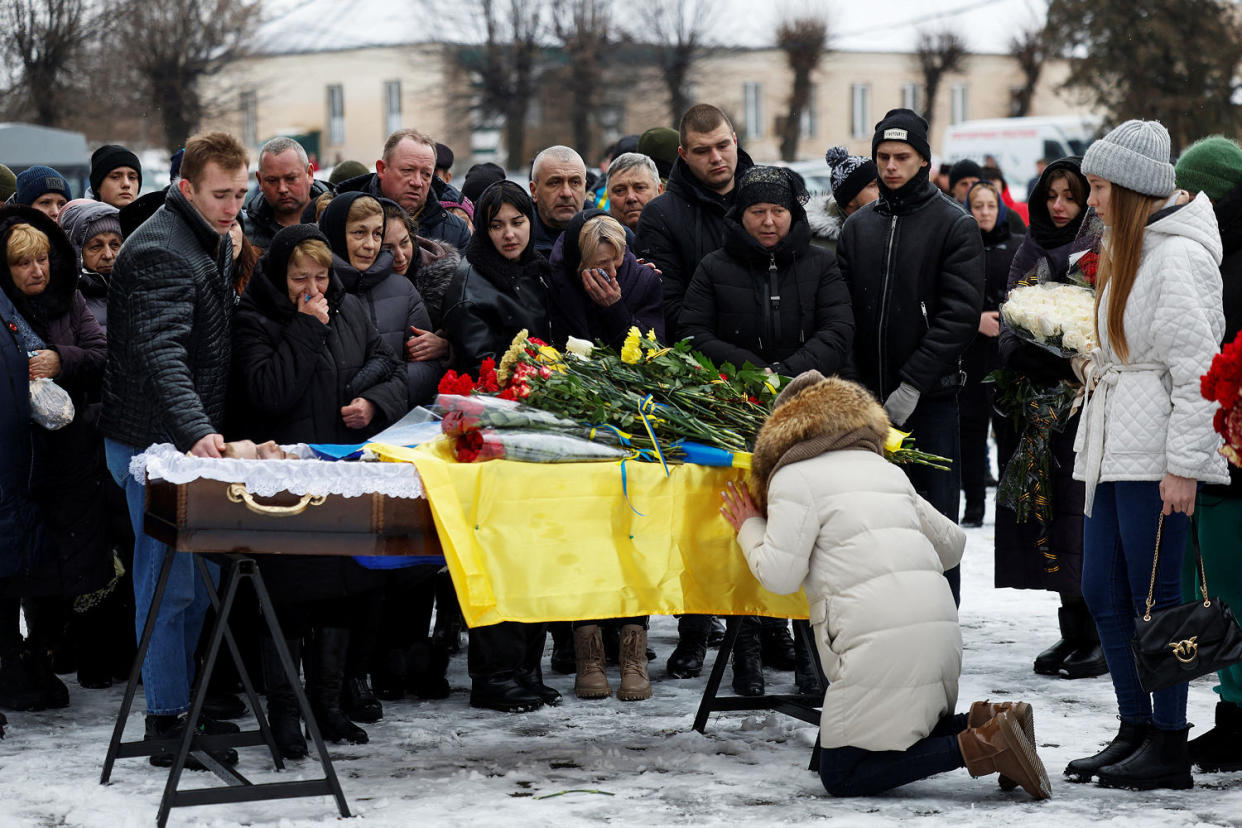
{"x":847,"y":526}
{"x":1145,"y":440}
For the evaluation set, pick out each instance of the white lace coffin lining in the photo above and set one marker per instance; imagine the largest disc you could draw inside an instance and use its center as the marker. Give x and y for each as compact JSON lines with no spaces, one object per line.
{"x":265,"y":478}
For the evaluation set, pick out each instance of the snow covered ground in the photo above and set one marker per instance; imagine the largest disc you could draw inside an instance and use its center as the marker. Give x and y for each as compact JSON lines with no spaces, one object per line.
{"x":444,"y":763}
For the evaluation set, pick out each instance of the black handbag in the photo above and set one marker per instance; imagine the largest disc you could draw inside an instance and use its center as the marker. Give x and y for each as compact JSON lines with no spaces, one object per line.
{"x":1174,"y":645}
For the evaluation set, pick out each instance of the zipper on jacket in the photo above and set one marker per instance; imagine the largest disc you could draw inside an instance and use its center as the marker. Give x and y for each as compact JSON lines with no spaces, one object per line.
{"x":774,"y":301}
{"x":880,"y":327}
{"x":923,"y":308}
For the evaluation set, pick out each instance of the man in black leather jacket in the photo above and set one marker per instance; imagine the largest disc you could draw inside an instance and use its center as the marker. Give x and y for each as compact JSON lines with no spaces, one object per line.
{"x":915,"y":265}
{"x":169,"y":313}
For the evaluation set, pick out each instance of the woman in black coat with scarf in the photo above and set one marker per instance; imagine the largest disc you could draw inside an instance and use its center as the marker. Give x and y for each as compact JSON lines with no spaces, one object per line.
{"x":1061,"y":226}
{"x":310,"y":367}
{"x":38,"y":273}
{"x":501,"y":288}
{"x":771,"y":298}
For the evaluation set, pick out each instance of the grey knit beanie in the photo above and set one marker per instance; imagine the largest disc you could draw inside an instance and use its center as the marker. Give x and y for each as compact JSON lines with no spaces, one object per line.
{"x":1135,"y":155}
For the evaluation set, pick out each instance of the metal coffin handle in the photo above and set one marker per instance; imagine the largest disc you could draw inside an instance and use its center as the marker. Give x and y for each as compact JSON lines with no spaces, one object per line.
{"x":236,"y":492}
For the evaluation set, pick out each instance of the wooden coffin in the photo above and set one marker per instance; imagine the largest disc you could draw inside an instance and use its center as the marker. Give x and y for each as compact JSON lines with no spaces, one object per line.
{"x":212,"y":516}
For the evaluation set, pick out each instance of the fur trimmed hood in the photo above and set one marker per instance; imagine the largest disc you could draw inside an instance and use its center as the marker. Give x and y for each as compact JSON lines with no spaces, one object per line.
{"x":813,"y":415}
{"x":825,"y":217}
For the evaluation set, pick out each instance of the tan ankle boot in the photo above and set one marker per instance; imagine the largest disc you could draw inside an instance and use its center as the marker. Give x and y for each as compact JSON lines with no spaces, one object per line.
{"x":1000,"y":746}
{"x":981,"y":712}
{"x":635,"y":686}
{"x":591,"y":681}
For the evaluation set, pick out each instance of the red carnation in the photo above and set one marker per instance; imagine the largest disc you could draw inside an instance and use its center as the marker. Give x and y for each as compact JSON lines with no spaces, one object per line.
{"x":487,"y":376}
{"x":468,"y":446}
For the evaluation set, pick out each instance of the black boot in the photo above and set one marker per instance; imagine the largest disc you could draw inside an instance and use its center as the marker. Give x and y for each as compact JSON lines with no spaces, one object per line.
{"x":1087,"y":659}
{"x":282,"y":704}
{"x":390,"y":673}
{"x":562,"y":648}
{"x":428,"y":677}
{"x":806,"y":668}
{"x":19,"y":690}
{"x":55,"y":693}
{"x":1129,"y":738}
{"x":172,"y":728}
{"x":446,"y":633}
{"x":325,"y":679}
{"x":494,"y":658}
{"x":1161,"y":762}
{"x":686,"y":660}
{"x":530,"y":673}
{"x":1048,"y":663}
{"x":747,"y":660}
{"x":716,"y":636}
{"x":778,"y":645}
{"x":359,"y":701}
{"x":1220,"y":749}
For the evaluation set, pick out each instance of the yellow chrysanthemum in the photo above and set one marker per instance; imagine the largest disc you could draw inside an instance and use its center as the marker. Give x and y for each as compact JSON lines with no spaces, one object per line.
{"x":509,"y":361}
{"x":549,"y":354}
{"x":651,"y":335}
{"x":631,"y":351}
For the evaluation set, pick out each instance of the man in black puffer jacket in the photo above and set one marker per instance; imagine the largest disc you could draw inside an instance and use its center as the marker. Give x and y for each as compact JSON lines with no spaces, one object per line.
{"x":687,"y":221}
{"x":915,"y":265}
{"x":169,"y":311}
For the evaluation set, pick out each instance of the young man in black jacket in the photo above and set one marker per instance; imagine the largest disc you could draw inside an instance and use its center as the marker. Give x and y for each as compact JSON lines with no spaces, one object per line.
{"x":915,"y":265}
{"x":685,"y":223}
{"x":169,"y":312}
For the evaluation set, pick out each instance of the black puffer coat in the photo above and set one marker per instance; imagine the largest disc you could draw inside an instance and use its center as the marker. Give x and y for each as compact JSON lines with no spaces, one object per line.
{"x":169,"y":311}
{"x":297,"y":373}
{"x":914,"y":263}
{"x":434,"y":221}
{"x":392,"y":301}
{"x":787,"y":308}
{"x":68,"y":476}
{"x":491,"y":299}
{"x":293,"y":375}
{"x":678,"y":228}
{"x":573,"y":313}
{"x":999,"y":246}
{"x":19,"y":518}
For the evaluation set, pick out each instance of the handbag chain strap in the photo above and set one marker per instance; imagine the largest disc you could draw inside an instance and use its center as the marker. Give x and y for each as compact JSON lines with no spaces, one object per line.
{"x":1155,"y":563}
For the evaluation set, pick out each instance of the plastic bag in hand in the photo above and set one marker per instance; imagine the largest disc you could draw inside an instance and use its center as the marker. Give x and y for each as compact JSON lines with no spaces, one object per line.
{"x":50,"y":405}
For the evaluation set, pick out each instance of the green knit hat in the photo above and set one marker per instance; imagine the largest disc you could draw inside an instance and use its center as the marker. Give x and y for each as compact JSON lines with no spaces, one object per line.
{"x":660,"y":145}
{"x":1212,"y":165}
{"x":345,"y":171}
{"x":8,"y":183}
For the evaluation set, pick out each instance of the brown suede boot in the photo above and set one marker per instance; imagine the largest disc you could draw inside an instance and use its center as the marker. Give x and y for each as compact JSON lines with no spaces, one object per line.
{"x":635,"y":686}
{"x":591,"y":681}
{"x":1000,"y":746}
{"x":981,"y":712}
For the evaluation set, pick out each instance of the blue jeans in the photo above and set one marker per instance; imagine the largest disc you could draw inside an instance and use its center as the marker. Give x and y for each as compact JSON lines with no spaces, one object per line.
{"x":852,"y":771}
{"x":169,"y":666}
{"x":936,"y":428}
{"x":1119,"y":542}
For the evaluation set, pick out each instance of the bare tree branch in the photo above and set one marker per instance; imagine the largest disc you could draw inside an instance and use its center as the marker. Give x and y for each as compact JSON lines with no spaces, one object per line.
{"x":679,"y":34}
{"x":938,"y":54}
{"x":175,"y":44}
{"x":1029,"y":48}
{"x":45,"y":37}
{"x":803,"y":40}
{"x":582,"y":27}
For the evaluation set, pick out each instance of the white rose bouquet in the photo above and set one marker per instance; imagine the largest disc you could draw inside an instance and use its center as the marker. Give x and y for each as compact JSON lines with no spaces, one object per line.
{"x":1052,"y":315}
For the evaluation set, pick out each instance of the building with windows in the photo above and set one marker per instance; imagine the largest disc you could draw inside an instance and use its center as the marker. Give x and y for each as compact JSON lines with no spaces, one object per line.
{"x":347,"y":99}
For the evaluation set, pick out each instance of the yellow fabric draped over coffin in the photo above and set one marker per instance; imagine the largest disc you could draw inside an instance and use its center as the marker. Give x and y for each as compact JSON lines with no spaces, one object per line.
{"x":558,"y":542}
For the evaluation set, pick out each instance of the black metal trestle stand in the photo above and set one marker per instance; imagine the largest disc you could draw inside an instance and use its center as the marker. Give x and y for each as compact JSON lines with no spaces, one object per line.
{"x":234,"y":569}
{"x":802,"y":707}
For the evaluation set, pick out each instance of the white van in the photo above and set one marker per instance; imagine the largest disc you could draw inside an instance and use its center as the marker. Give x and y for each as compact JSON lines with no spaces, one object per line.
{"x":1017,"y":143}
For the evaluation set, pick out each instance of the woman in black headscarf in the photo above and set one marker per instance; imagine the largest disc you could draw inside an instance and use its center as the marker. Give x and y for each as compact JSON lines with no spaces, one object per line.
{"x":1031,"y":555}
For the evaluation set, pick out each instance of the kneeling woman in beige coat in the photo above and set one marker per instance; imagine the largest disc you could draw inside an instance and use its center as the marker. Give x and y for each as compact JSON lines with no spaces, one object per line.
{"x":846,"y":525}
